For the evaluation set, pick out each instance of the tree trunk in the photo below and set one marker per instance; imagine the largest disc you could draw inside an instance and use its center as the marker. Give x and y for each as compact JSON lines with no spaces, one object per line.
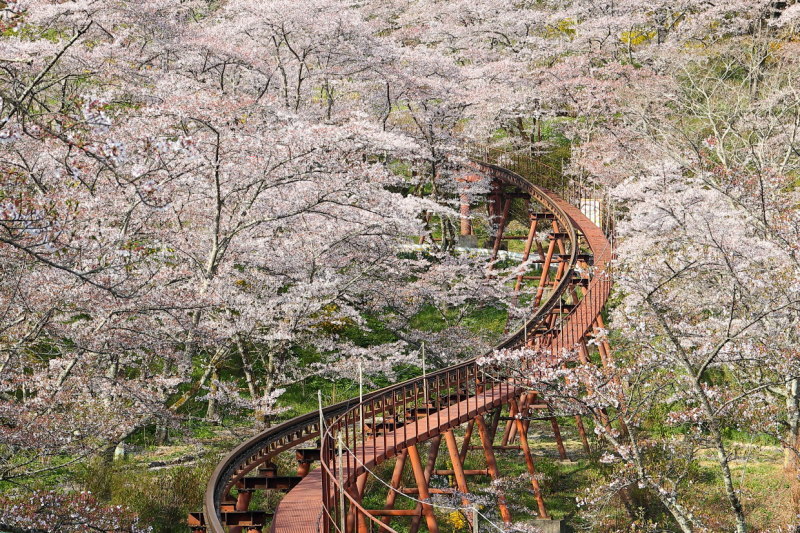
{"x":269,"y":385}
{"x":791,"y":447}
{"x":791,"y":459}
{"x":162,"y":434}
{"x":211,"y":410}
{"x":683,"y":516}
{"x":733,"y":498}
{"x":246,"y":367}
{"x":210,"y":369}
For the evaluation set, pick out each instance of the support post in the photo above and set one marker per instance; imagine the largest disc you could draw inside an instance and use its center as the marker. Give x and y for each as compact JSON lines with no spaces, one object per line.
{"x":433,"y":453}
{"x":354,"y":516}
{"x":422,"y":484}
{"x":397,"y":477}
{"x":458,"y":466}
{"x":527,"y":252}
{"x":522,"y":409}
{"x":526,"y":451}
{"x":605,"y":346}
{"x":498,"y":412}
{"x":545,"y":273}
{"x":491,"y":464}
{"x":242,"y":504}
{"x":501,"y":226}
{"x":562,"y":452}
{"x":466,"y":223}
{"x":467,"y":440}
{"x":582,"y":433}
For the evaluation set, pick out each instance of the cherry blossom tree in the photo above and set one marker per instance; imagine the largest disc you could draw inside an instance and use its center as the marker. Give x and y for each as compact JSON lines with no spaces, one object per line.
{"x":187,"y":187}
{"x":46,"y":512}
{"x":183,"y":185}
{"x":166,"y":212}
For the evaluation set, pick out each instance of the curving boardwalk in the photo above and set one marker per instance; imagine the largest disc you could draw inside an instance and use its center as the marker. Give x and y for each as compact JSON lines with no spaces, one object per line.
{"x":301,"y":510}
{"x":392,"y":421}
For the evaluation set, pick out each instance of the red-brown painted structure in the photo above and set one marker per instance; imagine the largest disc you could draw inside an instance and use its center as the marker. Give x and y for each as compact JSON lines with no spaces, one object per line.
{"x":392,"y":422}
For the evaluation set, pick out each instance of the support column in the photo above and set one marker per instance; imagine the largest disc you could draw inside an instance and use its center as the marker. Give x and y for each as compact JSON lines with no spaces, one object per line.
{"x":603,"y":347}
{"x":491,"y":464}
{"x":397,"y":477}
{"x":521,"y":407}
{"x":583,"y":357}
{"x":466,"y":223}
{"x":467,"y":440}
{"x":527,"y":252}
{"x":532,"y":399}
{"x":496,"y":414}
{"x":501,"y":226}
{"x":582,"y":433}
{"x":242,"y":504}
{"x":458,"y":469}
{"x":433,"y":453}
{"x":560,"y":271}
{"x":422,"y":484}
{"x":458,"y":465}
{"x":512,"y":412}
{"x":243,"y":499}
{"x":562,"y":452}
{"x":526,"y":451}
{"x":548,"y":258}
{"x":354,"y":516}
{"x":526,"y":400}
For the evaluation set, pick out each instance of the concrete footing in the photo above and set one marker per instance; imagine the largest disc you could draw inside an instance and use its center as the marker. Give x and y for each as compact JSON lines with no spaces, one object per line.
{"x":547,"y":526}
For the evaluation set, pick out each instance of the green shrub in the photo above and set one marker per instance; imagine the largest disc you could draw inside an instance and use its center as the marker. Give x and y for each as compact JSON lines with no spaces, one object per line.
{"x":161,"y":498}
